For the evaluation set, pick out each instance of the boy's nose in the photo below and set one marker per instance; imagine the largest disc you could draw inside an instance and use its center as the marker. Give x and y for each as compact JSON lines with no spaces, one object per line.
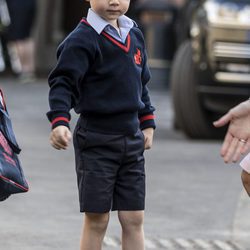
{"x":114,"y":2}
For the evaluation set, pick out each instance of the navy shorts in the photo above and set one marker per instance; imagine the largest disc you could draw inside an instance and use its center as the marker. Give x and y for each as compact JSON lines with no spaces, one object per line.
{"x":110,"y":170}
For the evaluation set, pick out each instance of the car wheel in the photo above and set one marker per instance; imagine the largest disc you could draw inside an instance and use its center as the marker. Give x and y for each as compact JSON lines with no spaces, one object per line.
{"x":190,"y":114}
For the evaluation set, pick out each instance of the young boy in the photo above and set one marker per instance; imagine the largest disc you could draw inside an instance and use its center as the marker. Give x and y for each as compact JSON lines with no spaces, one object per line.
{"x":102,"y":74}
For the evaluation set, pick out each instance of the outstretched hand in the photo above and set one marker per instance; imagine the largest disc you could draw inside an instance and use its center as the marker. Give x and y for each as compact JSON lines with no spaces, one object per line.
{"x":237,"y":139}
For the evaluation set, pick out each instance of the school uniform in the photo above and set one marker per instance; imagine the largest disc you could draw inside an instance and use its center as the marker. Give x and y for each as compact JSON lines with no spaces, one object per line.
{"x":103,"y":75}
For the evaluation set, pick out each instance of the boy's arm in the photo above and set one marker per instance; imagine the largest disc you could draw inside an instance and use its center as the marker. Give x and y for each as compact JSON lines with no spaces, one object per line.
{"x":146,"y":115}
{"x":73,"y":62}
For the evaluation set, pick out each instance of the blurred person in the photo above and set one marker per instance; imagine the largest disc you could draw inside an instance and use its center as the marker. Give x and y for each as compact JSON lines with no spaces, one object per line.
{"x":102,"y":73}
{"x":4,"y":24}
{"x":20,"y":41}
{"x":237,"y":140}
{"x":178,"y":3}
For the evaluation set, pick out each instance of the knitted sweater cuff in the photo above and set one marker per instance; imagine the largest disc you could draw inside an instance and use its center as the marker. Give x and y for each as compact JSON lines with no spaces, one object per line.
{"x":60,"y":119}
{"x":147,"y":121}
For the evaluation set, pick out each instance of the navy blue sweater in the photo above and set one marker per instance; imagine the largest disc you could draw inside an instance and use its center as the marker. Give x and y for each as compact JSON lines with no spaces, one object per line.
{"x":103,"y":79}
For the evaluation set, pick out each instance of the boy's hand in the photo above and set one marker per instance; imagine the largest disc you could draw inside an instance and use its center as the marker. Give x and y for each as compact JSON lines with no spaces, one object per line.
{"x":60,"y":137}
{"x":148,"y":135}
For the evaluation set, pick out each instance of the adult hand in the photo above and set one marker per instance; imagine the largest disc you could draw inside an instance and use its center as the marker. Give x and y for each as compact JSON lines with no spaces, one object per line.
{"x":237,"y":139}
{"x":60,"y":137}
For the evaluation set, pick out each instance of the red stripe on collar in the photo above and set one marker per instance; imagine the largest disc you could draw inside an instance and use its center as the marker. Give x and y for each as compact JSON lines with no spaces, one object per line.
{"x":125,"y":47}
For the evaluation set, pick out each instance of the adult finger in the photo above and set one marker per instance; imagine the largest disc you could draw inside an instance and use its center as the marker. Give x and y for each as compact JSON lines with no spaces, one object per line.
{"x":238,"y":151}
{"x":226,"y":143}
{"x":231,"y":150}
{"x":246,"y":147}
{"x":223,"y":120}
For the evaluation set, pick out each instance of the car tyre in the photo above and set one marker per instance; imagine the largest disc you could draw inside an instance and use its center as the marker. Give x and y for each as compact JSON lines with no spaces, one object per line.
{"x":190,"y":114}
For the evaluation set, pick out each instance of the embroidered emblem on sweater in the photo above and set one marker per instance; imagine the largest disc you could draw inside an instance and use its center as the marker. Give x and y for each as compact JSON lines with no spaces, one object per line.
{"x":137,"y":57}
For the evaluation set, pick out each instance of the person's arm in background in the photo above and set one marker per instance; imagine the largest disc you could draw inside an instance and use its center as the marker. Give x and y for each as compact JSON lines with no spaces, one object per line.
{"x":237,"y":139}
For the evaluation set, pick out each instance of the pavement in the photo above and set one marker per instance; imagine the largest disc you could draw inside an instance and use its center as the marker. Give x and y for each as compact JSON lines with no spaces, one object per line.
{"x":194,"y":201}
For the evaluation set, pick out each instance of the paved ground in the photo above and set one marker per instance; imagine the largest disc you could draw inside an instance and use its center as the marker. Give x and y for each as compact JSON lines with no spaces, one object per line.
{"x":194,"y":201}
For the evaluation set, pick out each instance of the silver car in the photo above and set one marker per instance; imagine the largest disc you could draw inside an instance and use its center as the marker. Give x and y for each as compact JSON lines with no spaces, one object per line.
{"x":211,"y":68}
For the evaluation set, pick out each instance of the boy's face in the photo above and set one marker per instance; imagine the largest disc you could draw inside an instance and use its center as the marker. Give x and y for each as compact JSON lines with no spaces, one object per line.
{"x":109,"y":10}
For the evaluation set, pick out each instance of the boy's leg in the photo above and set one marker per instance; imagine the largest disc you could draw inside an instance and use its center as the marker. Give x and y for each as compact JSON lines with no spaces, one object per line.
{"x":132,"y":229}
{"x":94,"y":229}
{"x":245,"y":177}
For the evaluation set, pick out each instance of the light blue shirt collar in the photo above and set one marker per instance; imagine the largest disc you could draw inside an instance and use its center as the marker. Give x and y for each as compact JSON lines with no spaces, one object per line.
{"x":99,"y":25}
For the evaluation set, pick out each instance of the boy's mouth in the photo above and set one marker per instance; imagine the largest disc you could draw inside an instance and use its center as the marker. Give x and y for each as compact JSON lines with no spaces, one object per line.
{"x":113,"y":11}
